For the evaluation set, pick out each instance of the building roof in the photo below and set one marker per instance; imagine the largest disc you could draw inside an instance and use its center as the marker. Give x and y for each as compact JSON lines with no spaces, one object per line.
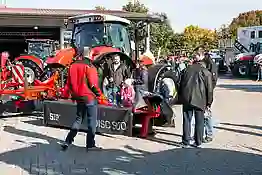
{"x":105,"y":17}
{"x":65,"y":13}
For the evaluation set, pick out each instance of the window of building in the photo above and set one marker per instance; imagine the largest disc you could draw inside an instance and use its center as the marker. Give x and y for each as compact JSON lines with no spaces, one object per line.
{"x":259,"y":34}
{"x":252,"y":34}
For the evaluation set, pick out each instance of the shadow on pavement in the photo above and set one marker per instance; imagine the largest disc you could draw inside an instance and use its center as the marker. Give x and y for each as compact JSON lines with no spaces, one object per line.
{"x":41,"y":158}
{"x":164,"y":141}
{"x":244,"y":87}
{"x":243,"y":125}
{"x":229,"y":76}
{"x":239,"y":131}
{"x":254,"y":149}
{"x":40,"y":122}
{"x":167,"y":133}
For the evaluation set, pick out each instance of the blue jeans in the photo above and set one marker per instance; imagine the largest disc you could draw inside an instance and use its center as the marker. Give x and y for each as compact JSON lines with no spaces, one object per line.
{"x":208,"y":127}
{"x":84,"y":110}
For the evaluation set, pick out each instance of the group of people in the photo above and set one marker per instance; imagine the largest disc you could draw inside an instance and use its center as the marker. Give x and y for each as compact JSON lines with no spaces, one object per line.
{"x":195,"y":93}
{"x":83,"y":86}
{"x":197,"y":85}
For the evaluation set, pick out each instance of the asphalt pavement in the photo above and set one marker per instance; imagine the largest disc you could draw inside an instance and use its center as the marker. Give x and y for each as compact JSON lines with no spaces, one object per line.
{"x":28,"y":147}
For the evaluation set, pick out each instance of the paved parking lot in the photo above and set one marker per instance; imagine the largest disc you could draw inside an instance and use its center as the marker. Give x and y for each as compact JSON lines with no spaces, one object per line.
{"x":27,"y":147}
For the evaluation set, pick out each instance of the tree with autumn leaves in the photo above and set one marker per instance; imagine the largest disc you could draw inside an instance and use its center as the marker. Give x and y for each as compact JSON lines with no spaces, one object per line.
{"x":195,"y":36}
{"x":246,"y":19}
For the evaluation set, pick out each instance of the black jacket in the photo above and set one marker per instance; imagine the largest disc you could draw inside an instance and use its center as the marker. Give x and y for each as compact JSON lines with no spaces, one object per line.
{"x":213,"y":68}
{"x":196,"y":86}
{"x":118,"y":75}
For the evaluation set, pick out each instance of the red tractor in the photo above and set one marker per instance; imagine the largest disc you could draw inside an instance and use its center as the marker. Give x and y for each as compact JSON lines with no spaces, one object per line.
{"x":38,"y":51}
{"x":107,"y":35}
{"x":104,"y":34}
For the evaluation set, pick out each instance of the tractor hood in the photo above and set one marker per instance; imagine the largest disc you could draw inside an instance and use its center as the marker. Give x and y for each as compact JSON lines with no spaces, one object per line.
{"x":245,"y":56}
{"x":101,"y":50}
{"x":63,"y":57}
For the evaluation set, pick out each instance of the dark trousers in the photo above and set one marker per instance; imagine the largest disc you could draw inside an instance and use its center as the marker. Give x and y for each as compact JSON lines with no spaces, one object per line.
{"x":89,"y":111}
{"x":188,"y":112}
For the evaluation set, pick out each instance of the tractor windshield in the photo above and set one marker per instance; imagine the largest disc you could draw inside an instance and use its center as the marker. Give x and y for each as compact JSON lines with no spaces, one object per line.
{"x":39,"y":49}
{"x":99,"y":34}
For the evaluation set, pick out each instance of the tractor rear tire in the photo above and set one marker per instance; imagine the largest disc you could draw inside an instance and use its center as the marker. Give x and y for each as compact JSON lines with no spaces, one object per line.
{"x":235,"y":71}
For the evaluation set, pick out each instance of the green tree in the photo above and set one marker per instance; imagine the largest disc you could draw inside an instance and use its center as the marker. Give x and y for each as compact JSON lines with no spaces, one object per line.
{"x":161,"y":34}
{"x":136,"y":7}
{"x":176,"y":43}
{"x":224,"y":32}
{"x":100,"y":8}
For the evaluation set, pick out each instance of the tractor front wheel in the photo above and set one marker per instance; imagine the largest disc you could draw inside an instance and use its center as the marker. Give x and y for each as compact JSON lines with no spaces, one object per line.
{"x":32,"y":70}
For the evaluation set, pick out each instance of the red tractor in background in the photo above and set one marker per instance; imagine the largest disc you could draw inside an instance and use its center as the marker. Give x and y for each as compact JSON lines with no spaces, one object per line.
{"x":33,"y":60}
{"x":103,"y":34}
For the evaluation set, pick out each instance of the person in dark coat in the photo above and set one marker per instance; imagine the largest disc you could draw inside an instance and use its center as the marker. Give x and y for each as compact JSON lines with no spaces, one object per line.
{"x":195,"y":94}
{"x":212,"y":67}
{"x":118,"y":71}
{"x":210,"y":64}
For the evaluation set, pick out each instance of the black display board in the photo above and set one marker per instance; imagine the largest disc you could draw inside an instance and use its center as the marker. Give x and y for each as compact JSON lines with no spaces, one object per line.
{"x":110,"y":120}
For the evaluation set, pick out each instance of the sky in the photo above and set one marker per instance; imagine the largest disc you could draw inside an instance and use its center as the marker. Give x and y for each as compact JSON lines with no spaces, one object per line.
{"x":181,"y":13}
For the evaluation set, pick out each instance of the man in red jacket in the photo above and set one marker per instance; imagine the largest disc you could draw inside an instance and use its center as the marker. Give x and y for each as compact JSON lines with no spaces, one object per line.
{"x":83,"y":89}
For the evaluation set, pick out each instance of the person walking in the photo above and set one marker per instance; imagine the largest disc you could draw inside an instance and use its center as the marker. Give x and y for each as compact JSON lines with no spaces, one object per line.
{"x":195,"y":94}
{"x":82,"y":85}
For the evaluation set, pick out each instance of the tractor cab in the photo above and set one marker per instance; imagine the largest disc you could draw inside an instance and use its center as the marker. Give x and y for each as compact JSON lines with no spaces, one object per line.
{"x":41,"y":48}
{"x":103,"y":33}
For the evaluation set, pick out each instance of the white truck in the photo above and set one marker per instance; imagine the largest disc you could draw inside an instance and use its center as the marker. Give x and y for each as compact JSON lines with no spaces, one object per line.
{"x":247,"y":45}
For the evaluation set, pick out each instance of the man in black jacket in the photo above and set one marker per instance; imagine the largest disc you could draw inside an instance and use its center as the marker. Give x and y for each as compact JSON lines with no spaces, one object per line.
{"x":212,"y":67}
{"x":196,"y":94}
{"x":210,"y":64}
